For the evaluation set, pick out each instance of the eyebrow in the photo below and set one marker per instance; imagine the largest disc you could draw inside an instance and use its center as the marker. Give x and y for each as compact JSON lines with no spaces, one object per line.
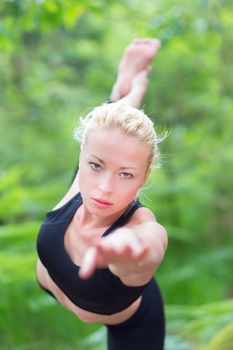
{"x":103,"y":162}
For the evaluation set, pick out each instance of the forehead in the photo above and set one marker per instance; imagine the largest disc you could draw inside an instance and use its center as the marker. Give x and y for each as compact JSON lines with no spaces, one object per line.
{"x":114,"y":146}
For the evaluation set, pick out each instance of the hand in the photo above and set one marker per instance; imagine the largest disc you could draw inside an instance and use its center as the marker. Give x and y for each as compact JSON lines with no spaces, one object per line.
{"x":122,"y":251}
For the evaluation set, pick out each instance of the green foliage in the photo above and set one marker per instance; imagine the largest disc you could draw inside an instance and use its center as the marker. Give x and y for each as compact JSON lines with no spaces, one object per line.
{"x":223,"y":340}
{"x":200,"y":327}
{"x":58,"y":59}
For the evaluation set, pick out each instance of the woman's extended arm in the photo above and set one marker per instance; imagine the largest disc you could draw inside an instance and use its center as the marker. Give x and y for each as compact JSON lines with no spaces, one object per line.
{"x":133,"y":253}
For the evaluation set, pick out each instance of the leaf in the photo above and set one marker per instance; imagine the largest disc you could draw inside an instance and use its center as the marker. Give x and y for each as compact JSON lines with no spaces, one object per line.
{"x":223,"y":340}
{"x":72,"y":13}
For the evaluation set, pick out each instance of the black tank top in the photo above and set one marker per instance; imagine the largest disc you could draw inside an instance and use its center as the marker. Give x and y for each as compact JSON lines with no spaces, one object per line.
{"x":103,"y":293}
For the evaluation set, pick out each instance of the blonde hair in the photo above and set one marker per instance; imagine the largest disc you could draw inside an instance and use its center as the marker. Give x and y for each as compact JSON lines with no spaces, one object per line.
{"x":128,"y":119}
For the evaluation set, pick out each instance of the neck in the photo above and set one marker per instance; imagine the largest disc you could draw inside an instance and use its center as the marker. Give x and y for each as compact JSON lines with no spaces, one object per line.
{"x":95,"y":221}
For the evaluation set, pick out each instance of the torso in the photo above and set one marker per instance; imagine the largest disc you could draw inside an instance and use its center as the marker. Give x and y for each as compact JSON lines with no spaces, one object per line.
{"x":78,"y":238}
{"x":76,"y":242}
{"x":86,"y":316}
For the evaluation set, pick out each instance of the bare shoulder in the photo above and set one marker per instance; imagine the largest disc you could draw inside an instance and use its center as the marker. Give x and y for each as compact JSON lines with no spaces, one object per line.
{"x":73,"y":190}
{"x":144,"y":220}
{"x":141,"y":216}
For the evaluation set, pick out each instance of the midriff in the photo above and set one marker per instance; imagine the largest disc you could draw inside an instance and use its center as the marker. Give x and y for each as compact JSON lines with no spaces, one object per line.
{"x":86,"y":316}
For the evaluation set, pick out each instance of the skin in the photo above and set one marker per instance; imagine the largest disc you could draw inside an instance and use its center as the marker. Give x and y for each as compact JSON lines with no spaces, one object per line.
{"x":138,"y":89}
{"x":115,"y":176}
{"x":136,"y":58}
{"x":133,"y":252}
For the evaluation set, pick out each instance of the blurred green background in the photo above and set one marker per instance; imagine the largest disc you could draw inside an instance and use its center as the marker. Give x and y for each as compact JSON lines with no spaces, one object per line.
{"x":58,"y":58}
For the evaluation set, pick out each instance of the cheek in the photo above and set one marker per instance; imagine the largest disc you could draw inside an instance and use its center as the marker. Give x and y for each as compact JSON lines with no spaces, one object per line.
{"x":86,"y":179}
{"x":129,"y":193}
{"x":82,"y":179}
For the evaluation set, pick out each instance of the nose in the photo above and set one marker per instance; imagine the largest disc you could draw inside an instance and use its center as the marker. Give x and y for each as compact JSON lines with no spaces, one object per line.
{"x":106,"y":183}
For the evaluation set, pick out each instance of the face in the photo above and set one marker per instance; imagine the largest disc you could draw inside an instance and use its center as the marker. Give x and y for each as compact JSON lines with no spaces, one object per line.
{"x":112,"y":169}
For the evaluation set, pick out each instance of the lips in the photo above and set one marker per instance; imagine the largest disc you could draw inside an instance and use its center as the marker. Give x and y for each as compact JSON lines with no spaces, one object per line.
{"x":101,"y":203}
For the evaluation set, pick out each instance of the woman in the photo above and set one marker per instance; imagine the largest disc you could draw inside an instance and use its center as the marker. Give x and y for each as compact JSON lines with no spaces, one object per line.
{"x":99,"y":247}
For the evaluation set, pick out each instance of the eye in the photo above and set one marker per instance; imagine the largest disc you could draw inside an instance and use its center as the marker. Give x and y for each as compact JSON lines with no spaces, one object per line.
{"x":95,"y":166}
{"x":126,"y":175}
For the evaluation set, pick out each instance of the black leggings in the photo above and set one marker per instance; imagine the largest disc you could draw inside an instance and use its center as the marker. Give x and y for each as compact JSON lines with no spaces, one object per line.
{"x":145,"y":330}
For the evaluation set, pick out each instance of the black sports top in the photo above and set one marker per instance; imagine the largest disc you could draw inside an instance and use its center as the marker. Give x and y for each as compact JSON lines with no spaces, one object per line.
{"x":103,"y":292}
